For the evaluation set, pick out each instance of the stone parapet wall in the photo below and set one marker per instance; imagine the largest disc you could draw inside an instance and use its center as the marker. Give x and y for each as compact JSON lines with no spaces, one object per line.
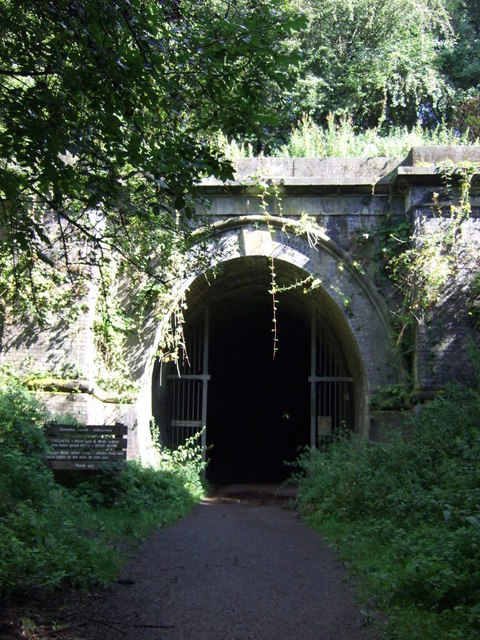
{"x":352,"y":199}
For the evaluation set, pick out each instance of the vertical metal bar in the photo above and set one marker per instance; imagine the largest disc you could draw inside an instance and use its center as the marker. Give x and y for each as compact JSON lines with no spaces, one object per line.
{"x":175,"y":412}
{"x":181,"y":384}
{"x":330,"y":402}
{"x":335,"y":395}
{"x":313,"y":384}
{"x":178,"y":393}
{"x":205,"y":382}
{"x":340,"y":403}
{"x":199,"y":400}
{"x":191,"y":383}
{"x":193,"y":410}
{"x":326,"y":368}
{"x":172,"y":410}
{"x":333,"y":356}
{"x":338,"y":386}
{"x":345,"y":405}
{"x":324,"y":373}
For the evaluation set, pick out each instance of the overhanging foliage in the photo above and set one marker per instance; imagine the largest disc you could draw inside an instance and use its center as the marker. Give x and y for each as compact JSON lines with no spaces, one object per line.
{"x":105,"y":114}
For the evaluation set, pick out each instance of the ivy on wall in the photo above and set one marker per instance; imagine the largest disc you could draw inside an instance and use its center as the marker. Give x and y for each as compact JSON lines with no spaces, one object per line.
{"x":430,"y":256}
{"x":422,"y":261}
{"x":269,"y":194}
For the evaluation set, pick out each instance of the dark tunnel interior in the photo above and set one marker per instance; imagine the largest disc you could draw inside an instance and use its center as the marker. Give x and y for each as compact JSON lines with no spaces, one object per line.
{"x":258,"y":406}
{"x":258,"y":409}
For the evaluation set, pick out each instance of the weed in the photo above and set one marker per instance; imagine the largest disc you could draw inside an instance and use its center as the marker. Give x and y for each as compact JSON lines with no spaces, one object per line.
{"x":53,"y":536}
{"x":406,"y":516}
{"x":340,"y":139}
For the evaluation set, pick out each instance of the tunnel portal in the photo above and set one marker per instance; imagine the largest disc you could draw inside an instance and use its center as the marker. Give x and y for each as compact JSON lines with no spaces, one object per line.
{"x":267,"y":379}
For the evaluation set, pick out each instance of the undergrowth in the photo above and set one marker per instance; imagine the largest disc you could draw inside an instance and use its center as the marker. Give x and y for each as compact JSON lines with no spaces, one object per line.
{"x":340,"y":139}
{"x":52,"y":535}
{"x":405,"y":516}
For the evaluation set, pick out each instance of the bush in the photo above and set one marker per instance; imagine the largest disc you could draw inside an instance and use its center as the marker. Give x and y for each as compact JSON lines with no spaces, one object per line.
{"x":51,"y":535}
{"x":340,"y":139}
{"x":408,"y":511}
{"x":42,"y":540}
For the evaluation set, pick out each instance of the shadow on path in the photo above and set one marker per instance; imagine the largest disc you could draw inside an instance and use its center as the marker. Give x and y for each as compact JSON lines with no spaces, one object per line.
{"x":233,"y":569}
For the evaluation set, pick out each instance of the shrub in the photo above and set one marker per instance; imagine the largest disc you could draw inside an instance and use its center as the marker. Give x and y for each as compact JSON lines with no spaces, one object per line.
{"x":407,"y":513}
{"x":51,"y":535}
{"x":340,"y":139}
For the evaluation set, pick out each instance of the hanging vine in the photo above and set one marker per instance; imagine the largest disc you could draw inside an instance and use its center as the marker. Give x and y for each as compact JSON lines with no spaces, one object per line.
{"x":304,"y":226}
{"x":267,"y":188}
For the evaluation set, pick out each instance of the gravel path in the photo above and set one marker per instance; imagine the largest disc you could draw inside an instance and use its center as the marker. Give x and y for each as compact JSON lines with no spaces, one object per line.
{"x":232,"y":570}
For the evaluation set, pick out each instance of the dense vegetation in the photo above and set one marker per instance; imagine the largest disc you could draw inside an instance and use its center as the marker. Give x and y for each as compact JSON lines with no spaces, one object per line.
{"x":51,"y":535}
{"x":384,"y":64}
{"x":107,"y":110}
{"x":405,"y":515}
{"x":110,"y":113}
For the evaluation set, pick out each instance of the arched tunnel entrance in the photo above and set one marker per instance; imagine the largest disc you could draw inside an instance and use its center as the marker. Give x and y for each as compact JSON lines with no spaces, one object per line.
{"x":261,"y":400}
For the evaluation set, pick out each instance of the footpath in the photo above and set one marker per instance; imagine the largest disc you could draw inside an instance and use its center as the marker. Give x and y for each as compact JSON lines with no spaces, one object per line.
{"x":240,"y":566}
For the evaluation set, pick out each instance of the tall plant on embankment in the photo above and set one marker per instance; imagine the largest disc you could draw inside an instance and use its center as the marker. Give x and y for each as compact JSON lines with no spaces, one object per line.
{"x":53,"y":536}
{"x":405,"y":515}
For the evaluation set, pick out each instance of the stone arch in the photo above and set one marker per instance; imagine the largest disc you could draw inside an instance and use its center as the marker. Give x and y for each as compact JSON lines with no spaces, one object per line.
{"x":344,"y":291}
{"x":343,"y":299}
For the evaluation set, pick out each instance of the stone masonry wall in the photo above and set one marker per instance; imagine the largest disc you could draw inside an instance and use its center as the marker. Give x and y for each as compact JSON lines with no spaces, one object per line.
{"x":447,"y":331}
{"x":351,"y":199}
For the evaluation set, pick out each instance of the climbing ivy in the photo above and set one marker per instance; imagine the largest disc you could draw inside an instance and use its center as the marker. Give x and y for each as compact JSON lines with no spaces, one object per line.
{"x":422,"y":262}
{"x":473,"y":300}
{"x":269,"y":188}
{"x":111,"y":326}
{"x":46,"y":282}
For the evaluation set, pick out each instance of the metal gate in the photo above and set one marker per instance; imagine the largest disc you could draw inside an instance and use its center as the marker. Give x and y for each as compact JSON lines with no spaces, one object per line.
{"x":330,"y":387}
{"x":188,"y":387}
